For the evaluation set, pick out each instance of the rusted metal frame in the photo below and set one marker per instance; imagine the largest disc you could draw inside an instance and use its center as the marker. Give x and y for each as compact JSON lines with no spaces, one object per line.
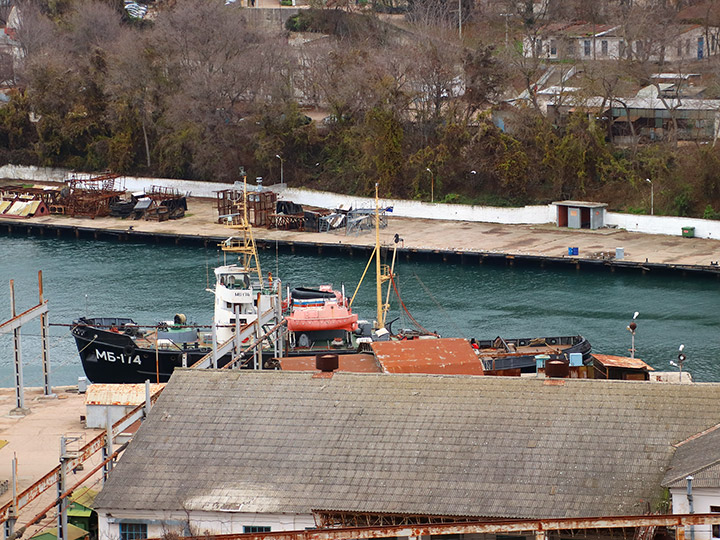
{"x":327,"y":519}
{"x":24,"y":317}
{"x":67,"y":492}
{"x":479,"y":527}
{"x":255,"y":344}
{"x":96,"y":444}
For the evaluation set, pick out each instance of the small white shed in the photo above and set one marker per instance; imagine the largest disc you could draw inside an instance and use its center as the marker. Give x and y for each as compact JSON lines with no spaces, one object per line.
{"x":580,"y":214}
{"x":119,"y":398}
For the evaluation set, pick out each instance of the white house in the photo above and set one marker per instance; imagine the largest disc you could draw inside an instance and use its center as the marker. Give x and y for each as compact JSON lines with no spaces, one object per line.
{"x":574,"y":40}
{"x":694,"y":480}
{"x":585,"y":41}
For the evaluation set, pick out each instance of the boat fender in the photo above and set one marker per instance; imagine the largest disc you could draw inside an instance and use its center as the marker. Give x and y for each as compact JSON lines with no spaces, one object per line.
{"x":552,"y":341}
{"x":128,"y":350}
{"x":522,"y":343}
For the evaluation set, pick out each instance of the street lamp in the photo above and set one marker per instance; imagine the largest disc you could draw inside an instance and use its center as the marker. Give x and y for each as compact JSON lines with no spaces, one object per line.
{"x":282,"y":179}
{"x":432,"y":184}
{"x":681,"y":359}
{"x":652,"y":197}
{"x":632,"y":327}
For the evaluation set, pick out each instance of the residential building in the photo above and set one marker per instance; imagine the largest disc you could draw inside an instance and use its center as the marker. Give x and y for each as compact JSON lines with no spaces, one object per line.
{"x":694,"y":475}
{"x":646,"y":119}
{"x":255,"y":451}
{"x":574,"y":40}
{"x":585,"y":41}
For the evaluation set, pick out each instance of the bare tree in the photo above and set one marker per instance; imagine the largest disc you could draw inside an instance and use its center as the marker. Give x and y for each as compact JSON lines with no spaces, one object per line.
{"x":435,"y":77}
{"x":33,"y":31}
{"x":216,"y":66}
{"x":93,"y":24}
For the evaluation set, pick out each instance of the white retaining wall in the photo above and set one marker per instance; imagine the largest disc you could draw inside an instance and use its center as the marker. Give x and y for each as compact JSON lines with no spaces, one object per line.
{"x":672,"y":226}
{"x":419,"y":209}
{"x":704,"y":228}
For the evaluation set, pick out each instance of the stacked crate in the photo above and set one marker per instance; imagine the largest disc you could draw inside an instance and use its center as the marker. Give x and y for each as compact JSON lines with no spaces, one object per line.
{"x":260,"y":205}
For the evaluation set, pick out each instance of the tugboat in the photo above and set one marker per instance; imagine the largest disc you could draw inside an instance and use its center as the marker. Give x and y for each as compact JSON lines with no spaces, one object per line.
{"x":117,"y":350}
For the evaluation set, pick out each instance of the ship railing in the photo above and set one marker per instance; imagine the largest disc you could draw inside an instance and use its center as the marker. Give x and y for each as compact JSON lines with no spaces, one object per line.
{"x":246,"y":332}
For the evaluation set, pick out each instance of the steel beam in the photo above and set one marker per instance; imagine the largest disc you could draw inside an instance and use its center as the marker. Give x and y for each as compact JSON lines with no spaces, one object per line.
{"x":479,"y":527}
{"x":26,"y":316}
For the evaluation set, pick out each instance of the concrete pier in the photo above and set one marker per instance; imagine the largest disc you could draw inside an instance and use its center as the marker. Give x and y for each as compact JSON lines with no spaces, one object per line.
{"x":423,"y":239}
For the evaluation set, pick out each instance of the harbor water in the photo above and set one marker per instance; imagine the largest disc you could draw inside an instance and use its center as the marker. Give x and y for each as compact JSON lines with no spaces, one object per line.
{"x":150,"y":283}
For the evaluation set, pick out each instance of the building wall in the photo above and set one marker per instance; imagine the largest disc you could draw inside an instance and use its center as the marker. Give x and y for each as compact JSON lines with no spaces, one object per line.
{"x":672,"y":226}
{"x":682,"y":47}
{"x":599,"y":48}
{"x":96,"y":415}
{"x":685,"y":46}
{"x":703,"y":499}
{"x":161,"y":522}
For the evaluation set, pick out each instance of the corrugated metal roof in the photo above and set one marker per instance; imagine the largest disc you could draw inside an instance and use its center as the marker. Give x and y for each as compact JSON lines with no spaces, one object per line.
{"x":119,"y":394}
{"x":442,"y":356}
{"x":74,"y":533}
{"x":410,"y":444}
{"x":353,"y":363}
{"x":608,"y":360}
{"x":581,"y":204}
{"x":642,"y":103}
{"x":85,"y":496}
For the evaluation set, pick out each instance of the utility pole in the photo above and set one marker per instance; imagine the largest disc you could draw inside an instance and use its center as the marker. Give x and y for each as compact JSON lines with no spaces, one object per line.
{"x":460,"y":19}
{"x":62,"y":503}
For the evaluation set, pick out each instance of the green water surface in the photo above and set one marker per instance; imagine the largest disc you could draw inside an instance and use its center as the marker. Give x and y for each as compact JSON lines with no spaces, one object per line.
{"x":153,"y":282}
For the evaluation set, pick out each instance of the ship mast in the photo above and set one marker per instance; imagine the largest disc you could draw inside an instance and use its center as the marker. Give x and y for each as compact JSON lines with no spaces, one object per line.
{"x":244,"y":243}
{"x":378,"y":274}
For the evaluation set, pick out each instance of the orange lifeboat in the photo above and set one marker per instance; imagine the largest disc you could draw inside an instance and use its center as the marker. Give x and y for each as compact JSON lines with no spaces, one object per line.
{"x":323,"y":309}
{"x":329,"y":316}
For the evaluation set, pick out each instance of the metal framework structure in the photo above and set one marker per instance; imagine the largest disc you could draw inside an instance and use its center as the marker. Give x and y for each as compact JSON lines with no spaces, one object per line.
{"x":539,"y":527}
{"x":363,"y":219}
{"x":91,"y":197}
{"x":14,"y":324}
{"x":326,"y":519}
{"x":9,"y":513}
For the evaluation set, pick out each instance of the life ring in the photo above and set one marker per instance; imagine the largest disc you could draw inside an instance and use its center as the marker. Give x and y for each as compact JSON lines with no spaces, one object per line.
{"x":128,"y":350}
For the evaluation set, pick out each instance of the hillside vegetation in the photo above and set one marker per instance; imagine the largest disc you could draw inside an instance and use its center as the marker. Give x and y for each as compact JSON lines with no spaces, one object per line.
{"x":200,"y":92}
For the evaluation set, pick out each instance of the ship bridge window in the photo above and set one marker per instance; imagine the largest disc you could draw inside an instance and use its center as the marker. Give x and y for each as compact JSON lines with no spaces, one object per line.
{"x":236,"y":282}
